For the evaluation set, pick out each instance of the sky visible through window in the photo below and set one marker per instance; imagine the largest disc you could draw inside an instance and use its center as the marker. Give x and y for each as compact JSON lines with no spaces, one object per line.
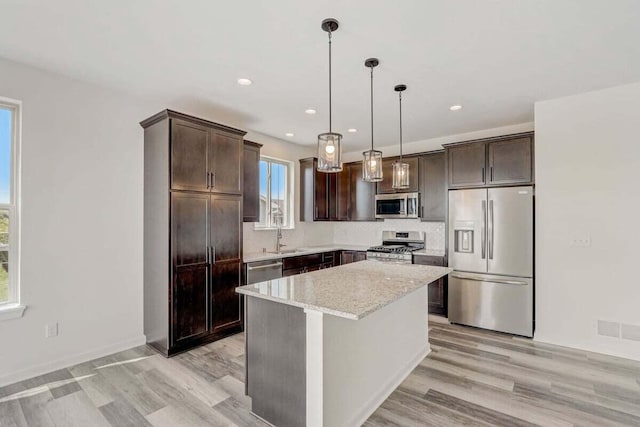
{"x":5,"y":154}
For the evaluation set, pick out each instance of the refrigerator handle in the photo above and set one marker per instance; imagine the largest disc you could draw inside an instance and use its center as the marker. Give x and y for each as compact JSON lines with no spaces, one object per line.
{"x":483,"y":232}
{"x":491,"y":228}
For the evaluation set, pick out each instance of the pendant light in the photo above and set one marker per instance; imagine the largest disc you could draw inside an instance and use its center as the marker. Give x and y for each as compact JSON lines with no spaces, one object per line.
{"x":400,"y":168}
{"x":329,"y":148}
{"x":372,"y":159}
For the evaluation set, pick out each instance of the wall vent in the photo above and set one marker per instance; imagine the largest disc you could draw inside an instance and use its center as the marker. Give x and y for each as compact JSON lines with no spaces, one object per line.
{"x":609,"y":329}
{"x":631,"y":332}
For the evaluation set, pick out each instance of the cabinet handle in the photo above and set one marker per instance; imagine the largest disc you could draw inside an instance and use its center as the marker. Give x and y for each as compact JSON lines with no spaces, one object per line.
{"x":421,"y":211}
{"x":208,"y":184}
{"x":213,"y":180}
{"x":483,"y":175}
{"x":213,"y":254}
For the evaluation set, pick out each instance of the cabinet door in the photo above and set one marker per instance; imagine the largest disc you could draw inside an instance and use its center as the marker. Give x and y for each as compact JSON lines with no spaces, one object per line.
{"x":189,"y":303}
{"x":342,"y":194}
{"x":189,"y":156}
{"x":189,"y":228}
{"x":510,"y":161}
{"x":386,"y":185}
{"x":466,"y":165}
{"x":437,"y":297}
{"x":321,"y":193}
{"x":251,"y":182}
{"x":225,"y":307}
{"x":346,"y":257}
{"x":359,"y":256}
{"x":363,"y":204}
{"x":433,"y":192}
{"x":225,"y":156}
{"x":226,"y":236}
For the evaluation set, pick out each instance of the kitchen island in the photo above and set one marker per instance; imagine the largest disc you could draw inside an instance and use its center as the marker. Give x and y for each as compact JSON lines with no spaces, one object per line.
{"x":326,"y":348}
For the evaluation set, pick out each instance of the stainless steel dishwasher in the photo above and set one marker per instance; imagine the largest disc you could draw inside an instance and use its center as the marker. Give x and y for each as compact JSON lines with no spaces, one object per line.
{"x":259,"y":271}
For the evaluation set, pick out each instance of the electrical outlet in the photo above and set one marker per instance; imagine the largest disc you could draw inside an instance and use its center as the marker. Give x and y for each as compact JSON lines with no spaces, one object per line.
{"x":51,"y":330}
{"x":581,"y":242}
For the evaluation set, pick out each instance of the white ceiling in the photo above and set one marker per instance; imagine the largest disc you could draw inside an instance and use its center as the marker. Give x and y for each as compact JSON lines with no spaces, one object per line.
{"x":495,"y":57}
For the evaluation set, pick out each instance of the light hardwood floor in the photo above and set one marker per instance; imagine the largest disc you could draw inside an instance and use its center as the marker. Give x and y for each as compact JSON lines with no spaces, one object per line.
{"x":471,"y":377}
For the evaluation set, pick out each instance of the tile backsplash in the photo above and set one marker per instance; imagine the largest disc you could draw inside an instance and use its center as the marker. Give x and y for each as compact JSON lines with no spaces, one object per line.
{"x":353,"y":233}
{"x":370,"y":233}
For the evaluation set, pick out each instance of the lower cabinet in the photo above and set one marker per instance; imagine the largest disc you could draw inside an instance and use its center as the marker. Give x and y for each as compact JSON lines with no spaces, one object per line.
{"x":225,"y":302}
{"x":189,"y":297}
{"x":347,"y":257}
{"x":437,"y":290}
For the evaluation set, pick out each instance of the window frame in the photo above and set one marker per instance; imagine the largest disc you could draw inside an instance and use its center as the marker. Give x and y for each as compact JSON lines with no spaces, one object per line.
{"x":12,"y":307}
{"x":289,"y":194}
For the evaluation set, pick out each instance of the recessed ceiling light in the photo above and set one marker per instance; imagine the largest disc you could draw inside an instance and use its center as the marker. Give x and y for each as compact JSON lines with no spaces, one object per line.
{"x":455,"y":107}
{"x":244,"y":82}
{"x":352,"y":130}
{"x":310,"y":111}
{"x":289,"y":134}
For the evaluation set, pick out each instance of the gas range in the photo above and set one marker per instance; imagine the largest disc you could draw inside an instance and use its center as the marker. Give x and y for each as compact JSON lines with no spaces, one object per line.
{"x":397,"y":246}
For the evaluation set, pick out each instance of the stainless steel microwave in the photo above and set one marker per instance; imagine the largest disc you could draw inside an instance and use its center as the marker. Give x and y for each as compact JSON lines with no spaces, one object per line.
{"x":397,"y":205}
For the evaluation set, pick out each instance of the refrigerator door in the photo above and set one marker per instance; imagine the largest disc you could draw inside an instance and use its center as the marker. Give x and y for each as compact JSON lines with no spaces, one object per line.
{"x":499,"y":303}
{"x":510,"y":231}
{"x":467,"y":230}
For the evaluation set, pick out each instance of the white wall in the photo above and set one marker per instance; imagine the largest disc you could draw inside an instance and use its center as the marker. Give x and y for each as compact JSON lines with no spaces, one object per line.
{"x":587,"y":175}
{"x":82,"y":187}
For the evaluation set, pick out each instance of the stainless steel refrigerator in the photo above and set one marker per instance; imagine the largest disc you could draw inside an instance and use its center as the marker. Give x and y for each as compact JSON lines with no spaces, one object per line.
{"x":491,"y":252}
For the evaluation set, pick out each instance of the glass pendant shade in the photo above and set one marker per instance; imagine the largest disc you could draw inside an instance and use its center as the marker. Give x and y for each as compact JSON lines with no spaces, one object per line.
{"x":400,"y":175}
{"x":372,"y":166}
{"x":329,"y":152}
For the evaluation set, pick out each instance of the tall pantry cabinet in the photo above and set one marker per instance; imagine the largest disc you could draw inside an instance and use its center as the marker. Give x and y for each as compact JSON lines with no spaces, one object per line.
{"x":192,"y":230}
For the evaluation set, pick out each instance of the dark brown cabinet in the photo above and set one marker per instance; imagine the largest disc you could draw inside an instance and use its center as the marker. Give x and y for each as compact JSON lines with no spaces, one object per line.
{"x":193,"y":177}
{"x":510,"y":161}
{"x":433,"y":187}
{"x":386,"y":185}
{"x":251,"y":182}
{"x":467,"y":165}
{"x":362,"y":205}
{"x":347,"y":257}
{"x":506,"y":160}
{"x":437,"y":290}
{"x":189,"y":156}
{"x":315,"y":192}
{"x":341,"y":196}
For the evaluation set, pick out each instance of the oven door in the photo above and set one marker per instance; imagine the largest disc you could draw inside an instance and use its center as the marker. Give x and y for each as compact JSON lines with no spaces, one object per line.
{"x":391,"y":206}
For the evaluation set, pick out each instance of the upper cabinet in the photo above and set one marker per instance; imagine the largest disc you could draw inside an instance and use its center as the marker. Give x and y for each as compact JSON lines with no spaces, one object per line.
{"x":189,"y":156}
{"x":341,"y":196}
{"x":205,"y":158}
{"x":433,"y":187}
{"x":251,"y":182}
{"x":386,"y":185}
{"x":491,"y":162}
{"x":511,"y":161}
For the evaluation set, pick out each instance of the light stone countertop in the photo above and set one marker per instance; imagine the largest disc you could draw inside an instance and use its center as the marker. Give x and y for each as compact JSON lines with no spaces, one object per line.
{"x":306,"y":250}
{"x":351,"y":291}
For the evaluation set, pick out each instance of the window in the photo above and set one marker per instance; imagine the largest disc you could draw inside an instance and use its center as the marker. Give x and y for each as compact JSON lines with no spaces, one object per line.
{"x":9,"y":174}
{"x":276,"y":202}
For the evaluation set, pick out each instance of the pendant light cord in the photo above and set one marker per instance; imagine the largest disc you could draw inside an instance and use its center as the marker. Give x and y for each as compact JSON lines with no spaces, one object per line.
{"x":371,"y":108}
{"x":400,"y":97}
{"x":330,"y":129}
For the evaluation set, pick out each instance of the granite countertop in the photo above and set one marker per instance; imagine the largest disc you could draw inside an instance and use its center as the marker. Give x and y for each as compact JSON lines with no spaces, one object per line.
{"x":351,"y":291}
{"x":306,"y":250}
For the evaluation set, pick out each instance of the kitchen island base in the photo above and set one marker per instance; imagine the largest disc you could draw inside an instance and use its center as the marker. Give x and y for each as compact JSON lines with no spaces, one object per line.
{"x":306,"y":367}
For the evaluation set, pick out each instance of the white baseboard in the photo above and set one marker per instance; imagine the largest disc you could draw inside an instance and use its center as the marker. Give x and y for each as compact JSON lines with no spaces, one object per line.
{"x":68,"y":361}
{"x":374,"y":403}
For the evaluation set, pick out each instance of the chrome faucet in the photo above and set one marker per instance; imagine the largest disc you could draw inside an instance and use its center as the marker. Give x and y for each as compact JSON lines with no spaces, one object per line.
{"x":279,"y":245}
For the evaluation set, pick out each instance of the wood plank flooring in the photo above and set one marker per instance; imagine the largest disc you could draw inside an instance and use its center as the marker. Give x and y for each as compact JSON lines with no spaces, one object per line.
{"x":471,"y":378}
